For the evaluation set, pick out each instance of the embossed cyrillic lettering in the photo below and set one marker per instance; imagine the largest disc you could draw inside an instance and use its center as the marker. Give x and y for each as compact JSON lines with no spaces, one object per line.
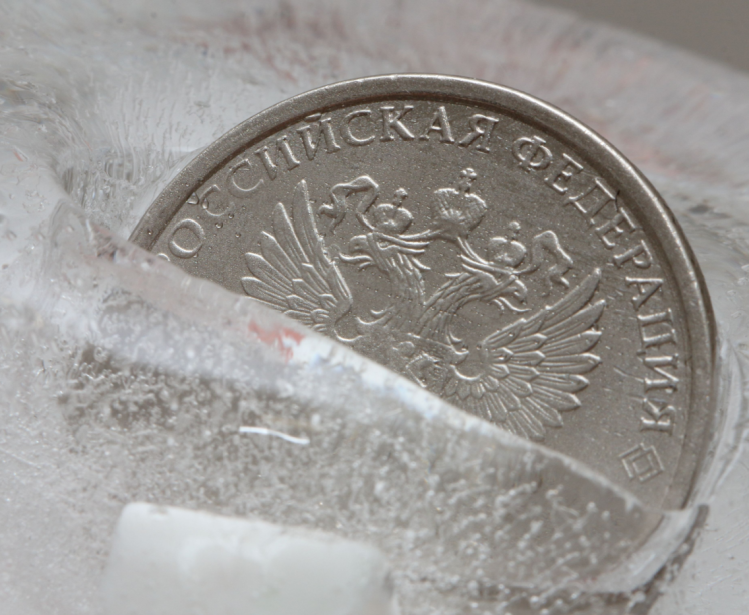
{"x":660,"y":416}
{"x":659,"y":336}
{"x":558,"y":179}
{"x":640,"y":256}
{"x":233,"y":183}
{"x":204,"y":197}
{"x":666,"y":381}
{"x":439,"y":124}
{"x":482,"y":127}
{"x":207,"y":201}
{"x":346,"y":129}
{"x":531,"y":153}
{"x":612,"y":229}
{"x":324,"y":132}
{"x":191,"y":227}
{"x":647,"y":287}
{"x":392,"y":120}
{"x":591,"y":202}
{"x":656,"y":329}
{"x":271,"y":166}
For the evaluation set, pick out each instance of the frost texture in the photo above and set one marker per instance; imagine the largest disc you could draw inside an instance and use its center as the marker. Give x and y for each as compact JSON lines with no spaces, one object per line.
{"x":123,"y":380}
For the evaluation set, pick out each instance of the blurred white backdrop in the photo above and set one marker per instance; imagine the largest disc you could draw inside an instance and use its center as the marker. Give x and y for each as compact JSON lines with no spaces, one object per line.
{"x":717,"y":29}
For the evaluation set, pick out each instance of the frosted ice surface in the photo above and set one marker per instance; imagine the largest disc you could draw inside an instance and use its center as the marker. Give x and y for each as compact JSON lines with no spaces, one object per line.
{"x":123,"y":380}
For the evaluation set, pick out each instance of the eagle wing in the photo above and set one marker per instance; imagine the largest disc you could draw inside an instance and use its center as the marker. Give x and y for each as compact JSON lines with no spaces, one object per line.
{"x":293,"y":273}
{"x":532,"y":369}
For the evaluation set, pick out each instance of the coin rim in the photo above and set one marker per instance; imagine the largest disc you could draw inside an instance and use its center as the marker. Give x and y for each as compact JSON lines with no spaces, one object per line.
{"x":612,"y":165}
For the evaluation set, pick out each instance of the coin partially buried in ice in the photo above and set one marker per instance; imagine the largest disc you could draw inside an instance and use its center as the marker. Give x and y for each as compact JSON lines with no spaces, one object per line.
{"x":478,"y":241}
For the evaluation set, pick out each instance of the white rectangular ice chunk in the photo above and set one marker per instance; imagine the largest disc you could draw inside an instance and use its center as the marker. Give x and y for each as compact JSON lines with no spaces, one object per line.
{"x":172,"y":561}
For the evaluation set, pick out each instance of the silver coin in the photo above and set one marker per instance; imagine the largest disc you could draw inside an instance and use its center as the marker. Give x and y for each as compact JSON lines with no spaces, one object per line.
{"x":478,"y":241}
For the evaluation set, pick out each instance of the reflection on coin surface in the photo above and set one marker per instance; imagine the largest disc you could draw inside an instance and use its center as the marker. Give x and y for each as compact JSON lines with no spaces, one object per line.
{"x":476,"y":240}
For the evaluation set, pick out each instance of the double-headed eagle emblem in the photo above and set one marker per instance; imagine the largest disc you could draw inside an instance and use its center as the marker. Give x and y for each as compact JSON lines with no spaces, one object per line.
{"x":521,"y":377}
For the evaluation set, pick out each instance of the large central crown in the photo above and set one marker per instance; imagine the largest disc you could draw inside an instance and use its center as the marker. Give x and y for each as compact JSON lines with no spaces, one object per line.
{"x":456,"y":212}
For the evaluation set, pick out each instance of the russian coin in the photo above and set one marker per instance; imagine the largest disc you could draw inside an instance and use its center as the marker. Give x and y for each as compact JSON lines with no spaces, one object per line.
{"x":478,"y":241}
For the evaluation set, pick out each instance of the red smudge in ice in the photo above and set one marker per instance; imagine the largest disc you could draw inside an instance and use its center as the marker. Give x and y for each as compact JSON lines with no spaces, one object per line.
{"x":276,"y":338}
